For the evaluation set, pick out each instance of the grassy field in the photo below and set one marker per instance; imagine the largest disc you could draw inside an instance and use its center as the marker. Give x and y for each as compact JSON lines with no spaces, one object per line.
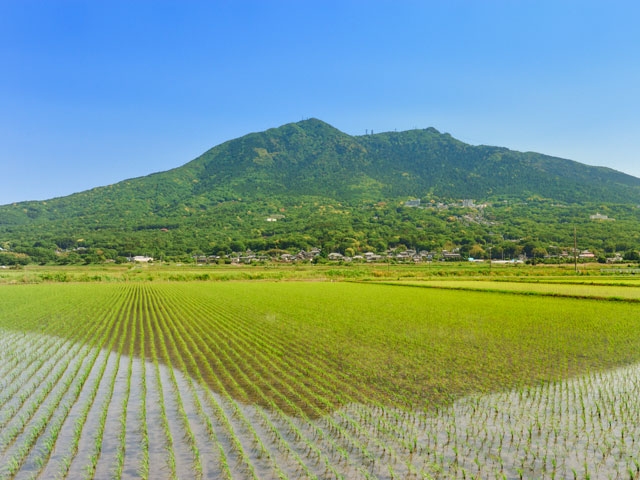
{"x":601,"y":290}
{"x":588,"y":272}
{"x":304,"y":373}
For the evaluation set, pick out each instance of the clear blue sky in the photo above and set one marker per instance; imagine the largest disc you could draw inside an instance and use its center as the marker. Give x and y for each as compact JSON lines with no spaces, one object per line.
{"x":94,"y":92}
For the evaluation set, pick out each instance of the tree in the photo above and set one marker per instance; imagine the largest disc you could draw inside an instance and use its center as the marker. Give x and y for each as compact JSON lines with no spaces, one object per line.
{"x":476,"y":251}
{"x":539,"y":252}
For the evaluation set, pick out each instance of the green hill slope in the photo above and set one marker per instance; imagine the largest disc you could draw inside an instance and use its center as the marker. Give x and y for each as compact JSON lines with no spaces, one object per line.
{"x":325,"y":186}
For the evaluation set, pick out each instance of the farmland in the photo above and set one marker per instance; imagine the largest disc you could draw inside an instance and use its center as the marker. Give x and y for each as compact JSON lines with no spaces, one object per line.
{"x":157,"y":377}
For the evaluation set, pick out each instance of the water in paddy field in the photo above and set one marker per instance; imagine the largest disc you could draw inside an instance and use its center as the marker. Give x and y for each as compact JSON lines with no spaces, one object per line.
{"x":127,"y":417}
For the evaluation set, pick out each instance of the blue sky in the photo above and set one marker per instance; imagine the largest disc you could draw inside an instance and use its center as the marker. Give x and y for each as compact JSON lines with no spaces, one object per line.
{"x":94,"y":92}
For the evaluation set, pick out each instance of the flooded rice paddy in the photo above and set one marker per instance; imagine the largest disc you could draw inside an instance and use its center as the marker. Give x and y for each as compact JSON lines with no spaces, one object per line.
{"x":270,"y":380}
{"x":78,"y":412}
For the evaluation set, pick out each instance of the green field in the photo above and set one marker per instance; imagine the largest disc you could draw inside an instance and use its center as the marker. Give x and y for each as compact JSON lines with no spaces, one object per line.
{"x":139,"y":373}
{"x":587,"y":273}
{"x":599,"y":290}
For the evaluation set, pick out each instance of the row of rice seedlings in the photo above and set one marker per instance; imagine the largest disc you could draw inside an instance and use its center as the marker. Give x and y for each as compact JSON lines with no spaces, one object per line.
{"x":143,"y":468}
{"x":270,"y":384}
{"x":89,"y":391}
{"x":246,"y":426}
{"x":244,"y":461}
{"x":295,"y":388}
{"x":330,"y":380}
{"x":275,"y":379}
{"x":108,"y":331}
{"x":76,"y":370}
{"x":122,"y":447}
{"x":36,"y":356}
{"x":412,"y":442}
{"x":55,"y":425}
{"x":41,"y":358}
{"x":160,"y":325}
{"x":357,"y":429}
{"x":551,"y":431}
{"x":22,"y":364}
{"x":10,"y":358}
{"x":178,"y":338}
{"x":180,"y":352}
{"x":44,"y":442}
{"x":209,"y":337}
{"x":170,"y":458}
{"x":33,"y":397}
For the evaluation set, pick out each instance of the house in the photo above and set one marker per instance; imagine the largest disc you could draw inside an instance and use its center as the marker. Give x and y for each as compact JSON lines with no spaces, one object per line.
{"x":598,"y":216}
{"x":302,"y":255}
{"x":141,"y":259}
{"x":446,"y":255}
{"x":372,"y":257}
{"x":617,"y":258}
{"x":412,"y":203}
{"x":406,"y":255}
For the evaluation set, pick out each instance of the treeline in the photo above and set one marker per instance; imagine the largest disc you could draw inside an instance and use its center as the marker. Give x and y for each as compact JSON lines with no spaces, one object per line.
{"x":502,"y":228}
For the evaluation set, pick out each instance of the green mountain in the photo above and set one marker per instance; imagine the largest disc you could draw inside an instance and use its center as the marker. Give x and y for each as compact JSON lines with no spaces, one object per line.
{"x":319,"y":186}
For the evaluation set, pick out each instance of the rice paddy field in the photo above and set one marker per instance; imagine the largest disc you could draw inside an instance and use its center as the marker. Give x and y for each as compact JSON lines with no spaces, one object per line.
{"x":459,"y":378}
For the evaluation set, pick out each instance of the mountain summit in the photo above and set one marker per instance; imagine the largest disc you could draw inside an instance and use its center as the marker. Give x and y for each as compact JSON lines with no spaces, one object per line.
{"x":313,"y":158}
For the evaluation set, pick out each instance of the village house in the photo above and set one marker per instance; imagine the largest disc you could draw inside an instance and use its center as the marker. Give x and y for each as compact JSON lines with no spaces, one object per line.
{"x":140,"y":259}
{"x":446,"y":255}
{"x":617,"y":258}
{"x":598,"y":216}
{"x":287,"y":257}
{"x":372,"y":257}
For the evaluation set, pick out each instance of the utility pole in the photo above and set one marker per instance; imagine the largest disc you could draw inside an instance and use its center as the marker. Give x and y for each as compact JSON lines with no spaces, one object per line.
{"x":575,"y":248}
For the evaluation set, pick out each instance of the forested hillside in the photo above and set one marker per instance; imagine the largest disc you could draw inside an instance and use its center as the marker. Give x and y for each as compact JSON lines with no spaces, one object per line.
{"x":307,"y":184}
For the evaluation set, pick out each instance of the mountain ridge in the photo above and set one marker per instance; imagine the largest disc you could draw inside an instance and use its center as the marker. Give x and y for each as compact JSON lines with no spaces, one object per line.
{"x":325,"y":181}
{"x":262,"y":147}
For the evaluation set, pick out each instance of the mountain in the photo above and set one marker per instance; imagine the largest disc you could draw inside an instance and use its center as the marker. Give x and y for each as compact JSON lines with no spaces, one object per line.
{"x":302,"y":171}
